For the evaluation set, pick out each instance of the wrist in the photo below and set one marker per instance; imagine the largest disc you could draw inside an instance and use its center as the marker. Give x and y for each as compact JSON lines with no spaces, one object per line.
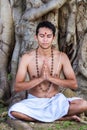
{"x":50,"y":78}
{"x":41,"y":79}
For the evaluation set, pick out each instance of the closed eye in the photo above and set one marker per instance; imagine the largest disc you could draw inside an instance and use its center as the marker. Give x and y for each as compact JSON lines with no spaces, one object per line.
{"x":42,"y":35}
{"x":48,"y":36}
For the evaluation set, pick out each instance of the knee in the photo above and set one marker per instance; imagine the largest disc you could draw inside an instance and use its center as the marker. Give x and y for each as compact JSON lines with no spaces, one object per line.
{"x":13,"y":113}
{"x":83,"y":104}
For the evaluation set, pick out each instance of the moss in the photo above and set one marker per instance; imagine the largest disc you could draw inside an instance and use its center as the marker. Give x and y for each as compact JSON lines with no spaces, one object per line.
{"x":57,"y":125}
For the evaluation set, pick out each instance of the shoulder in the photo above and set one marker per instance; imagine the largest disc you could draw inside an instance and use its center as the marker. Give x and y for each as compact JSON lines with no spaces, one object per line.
{"x":64,"y":58}
{"x":28,"y":54}
{"x":27,"y":57}
{"x":64,"y":55}
{"x":60,"y":54}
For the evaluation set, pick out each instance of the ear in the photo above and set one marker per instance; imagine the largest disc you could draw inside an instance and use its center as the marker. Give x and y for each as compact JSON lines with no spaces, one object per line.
{"x":53,"y":37}
{"x":35,"y":37}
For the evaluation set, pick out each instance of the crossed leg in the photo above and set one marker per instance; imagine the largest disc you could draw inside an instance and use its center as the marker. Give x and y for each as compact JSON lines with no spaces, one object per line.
{"x":21,"y":116}
{"x":76,"y":107}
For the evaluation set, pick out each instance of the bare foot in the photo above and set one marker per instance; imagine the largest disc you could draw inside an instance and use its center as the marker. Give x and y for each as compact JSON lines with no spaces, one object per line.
{"x":75,"y":117}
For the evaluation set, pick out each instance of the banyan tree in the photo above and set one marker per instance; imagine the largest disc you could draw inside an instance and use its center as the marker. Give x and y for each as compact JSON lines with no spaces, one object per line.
{"x":18,"y":21}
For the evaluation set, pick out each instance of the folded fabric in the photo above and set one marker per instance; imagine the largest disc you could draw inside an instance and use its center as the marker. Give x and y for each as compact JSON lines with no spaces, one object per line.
{"x":43,"y":109}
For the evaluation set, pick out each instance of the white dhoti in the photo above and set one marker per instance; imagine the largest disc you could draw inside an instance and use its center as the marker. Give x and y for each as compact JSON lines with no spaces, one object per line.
{"x":43,"y":109}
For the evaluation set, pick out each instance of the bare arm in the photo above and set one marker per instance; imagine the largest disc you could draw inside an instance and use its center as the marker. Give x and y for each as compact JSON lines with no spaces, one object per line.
{"x":70,"y":79}
{"x":67,"y":83}
{"x":20,"y":83}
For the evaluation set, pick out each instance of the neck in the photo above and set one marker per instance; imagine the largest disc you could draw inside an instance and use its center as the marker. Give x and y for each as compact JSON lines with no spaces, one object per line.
{"x":44,"y":52}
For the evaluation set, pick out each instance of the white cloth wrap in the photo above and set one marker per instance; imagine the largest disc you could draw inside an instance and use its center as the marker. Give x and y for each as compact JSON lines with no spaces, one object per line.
{"x":43,"y":109}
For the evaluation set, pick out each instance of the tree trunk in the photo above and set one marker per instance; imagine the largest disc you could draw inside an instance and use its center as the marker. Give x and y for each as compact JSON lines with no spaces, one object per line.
{"x":6,"y":45}
{"x":19,"y":24}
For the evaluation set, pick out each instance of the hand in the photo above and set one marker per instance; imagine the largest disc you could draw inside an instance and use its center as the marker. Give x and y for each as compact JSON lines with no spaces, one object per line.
{"x":45,"y":72}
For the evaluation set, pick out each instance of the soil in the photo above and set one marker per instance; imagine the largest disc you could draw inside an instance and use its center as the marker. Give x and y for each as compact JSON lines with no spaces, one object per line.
{"x":58,"y":125}
{"x":62,"y":125}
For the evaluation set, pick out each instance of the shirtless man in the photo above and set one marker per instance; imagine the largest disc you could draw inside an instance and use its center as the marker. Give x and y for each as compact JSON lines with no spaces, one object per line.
{"x":44,"y":65}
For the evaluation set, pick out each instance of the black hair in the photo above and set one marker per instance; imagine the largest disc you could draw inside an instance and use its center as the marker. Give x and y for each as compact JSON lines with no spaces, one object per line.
{"x":46,"y":24}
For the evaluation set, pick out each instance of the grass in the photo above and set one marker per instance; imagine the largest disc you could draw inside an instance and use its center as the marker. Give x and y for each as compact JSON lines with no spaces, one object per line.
{"x":84,"y":127}
{"x":60,"y":125}
{"x":57,"y":125}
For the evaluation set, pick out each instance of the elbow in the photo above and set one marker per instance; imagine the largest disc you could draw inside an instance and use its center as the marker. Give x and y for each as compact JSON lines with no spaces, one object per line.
{"x":16,"y":88}
{"x":75,"y":86}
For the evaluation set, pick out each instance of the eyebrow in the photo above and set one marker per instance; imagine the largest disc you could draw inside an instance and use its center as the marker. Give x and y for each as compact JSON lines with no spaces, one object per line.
{"x":44,"y":34}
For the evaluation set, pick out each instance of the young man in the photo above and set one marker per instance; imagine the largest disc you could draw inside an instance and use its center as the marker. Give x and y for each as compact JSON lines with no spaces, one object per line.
{"x":44,"y":65}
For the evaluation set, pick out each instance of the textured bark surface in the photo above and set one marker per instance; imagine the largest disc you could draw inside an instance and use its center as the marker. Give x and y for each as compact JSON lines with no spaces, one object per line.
{"x":18,"y":21}
{"x":17,"y":30}
{"x":6,"y":45}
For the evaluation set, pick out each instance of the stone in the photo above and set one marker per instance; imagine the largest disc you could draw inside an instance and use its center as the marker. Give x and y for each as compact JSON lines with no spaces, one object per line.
{"x":19,"y":125}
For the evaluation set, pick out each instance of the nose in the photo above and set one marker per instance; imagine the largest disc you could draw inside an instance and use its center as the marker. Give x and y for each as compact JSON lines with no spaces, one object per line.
{"x":45,"y":39}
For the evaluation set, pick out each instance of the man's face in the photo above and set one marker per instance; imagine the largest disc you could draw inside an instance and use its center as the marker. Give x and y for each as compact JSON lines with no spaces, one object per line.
{"x":45,"y":37}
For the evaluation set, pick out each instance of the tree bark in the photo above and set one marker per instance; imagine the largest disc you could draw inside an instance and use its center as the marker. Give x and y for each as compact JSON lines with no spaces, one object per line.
{"x":17,"y":30}
{"x":6,"y":45}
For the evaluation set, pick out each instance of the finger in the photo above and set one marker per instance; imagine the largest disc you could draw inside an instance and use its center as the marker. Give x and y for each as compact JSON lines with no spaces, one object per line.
{"x":46,"y":62}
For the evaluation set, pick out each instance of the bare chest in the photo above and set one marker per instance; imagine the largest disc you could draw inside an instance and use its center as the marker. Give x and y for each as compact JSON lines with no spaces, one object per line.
{"x":53,"y":65}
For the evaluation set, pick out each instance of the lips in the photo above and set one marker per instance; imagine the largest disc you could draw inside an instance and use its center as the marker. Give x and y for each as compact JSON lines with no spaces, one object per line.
{"x":45,"y":43}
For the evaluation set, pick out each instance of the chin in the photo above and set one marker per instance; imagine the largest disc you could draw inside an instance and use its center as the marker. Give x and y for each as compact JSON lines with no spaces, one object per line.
{"x":45,"y":47}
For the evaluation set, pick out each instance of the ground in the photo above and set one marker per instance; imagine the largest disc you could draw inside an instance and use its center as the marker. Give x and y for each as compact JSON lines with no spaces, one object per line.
{"x":58,"y":125}
{"x":62,"y":125}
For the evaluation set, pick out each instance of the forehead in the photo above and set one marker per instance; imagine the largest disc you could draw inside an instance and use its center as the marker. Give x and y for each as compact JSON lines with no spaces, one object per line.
{"x":44,"y":30}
